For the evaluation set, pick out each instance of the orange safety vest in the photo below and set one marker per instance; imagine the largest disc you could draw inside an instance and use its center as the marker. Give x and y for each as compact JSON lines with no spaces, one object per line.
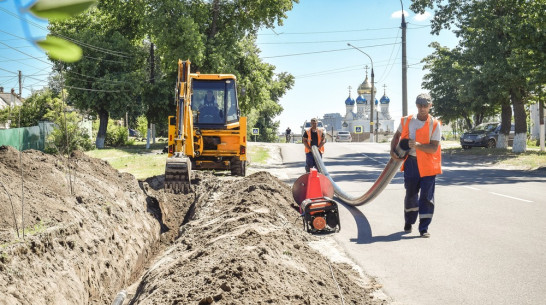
{"x":428,"y":164}
{"x":319,"y":136}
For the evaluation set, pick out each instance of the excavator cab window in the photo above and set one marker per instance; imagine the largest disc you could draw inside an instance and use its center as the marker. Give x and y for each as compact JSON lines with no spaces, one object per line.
{"x":214,"y":102}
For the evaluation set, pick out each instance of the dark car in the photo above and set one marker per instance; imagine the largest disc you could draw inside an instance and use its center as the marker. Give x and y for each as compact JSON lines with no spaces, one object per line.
{"x":134,"y":133}
{"x":484,"y":135}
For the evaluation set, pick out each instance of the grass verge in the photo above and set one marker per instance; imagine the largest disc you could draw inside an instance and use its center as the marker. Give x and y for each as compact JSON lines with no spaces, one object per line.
{"x":135,"y":159}
{"x":529,"y":160}
{"x":144,"y":163}
{"x":258,"y":154}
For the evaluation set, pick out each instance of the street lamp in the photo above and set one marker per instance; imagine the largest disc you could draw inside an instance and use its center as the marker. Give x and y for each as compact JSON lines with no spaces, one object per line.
{"x":404,"y":66}
{"x":373,"y":99}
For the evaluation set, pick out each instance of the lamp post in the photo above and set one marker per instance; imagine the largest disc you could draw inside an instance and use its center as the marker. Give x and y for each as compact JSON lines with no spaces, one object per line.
{"x":372,"y":99}
{"x":404,"y":66}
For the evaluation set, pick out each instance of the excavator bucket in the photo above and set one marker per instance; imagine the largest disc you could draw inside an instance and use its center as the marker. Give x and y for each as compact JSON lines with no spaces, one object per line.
{"x":177,"y":174}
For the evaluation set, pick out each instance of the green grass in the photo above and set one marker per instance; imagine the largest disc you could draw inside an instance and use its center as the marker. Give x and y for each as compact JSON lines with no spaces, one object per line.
{"x":530,"y":160}
{"x":143,"y":163}
{"x":135,"y":159}
{"x":258,"y":155}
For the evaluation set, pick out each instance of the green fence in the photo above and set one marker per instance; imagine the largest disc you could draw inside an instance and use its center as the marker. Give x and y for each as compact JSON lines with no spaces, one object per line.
{"x":27,"y":137}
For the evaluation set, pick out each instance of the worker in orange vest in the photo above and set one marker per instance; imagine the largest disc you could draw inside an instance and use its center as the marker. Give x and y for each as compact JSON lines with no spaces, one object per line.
{"x":312,"y":136}
{"x":422,"y":164}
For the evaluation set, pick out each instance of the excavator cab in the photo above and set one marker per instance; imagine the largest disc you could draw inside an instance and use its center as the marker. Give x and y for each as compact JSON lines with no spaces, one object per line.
{"x":214,"y":103}
{"x":207,"y":132}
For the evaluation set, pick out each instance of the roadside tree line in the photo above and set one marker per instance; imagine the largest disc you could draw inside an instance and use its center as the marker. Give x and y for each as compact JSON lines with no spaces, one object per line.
{"x":130,"y":51}
{"x":497,"y":67}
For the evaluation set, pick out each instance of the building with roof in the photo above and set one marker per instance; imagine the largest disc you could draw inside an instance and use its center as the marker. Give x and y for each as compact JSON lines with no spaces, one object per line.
{"x":8,"y":99}
{"x":361,"y":117}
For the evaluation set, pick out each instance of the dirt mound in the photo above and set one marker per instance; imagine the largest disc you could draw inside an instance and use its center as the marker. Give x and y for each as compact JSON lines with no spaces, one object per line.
{"x":231,"y":241}
{"x":80,"y":247}
{"x":245,"y":245}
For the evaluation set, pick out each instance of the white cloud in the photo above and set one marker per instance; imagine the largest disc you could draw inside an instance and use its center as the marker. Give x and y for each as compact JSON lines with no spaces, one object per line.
{"x":422,"y":17}
{"x":398,"y":14}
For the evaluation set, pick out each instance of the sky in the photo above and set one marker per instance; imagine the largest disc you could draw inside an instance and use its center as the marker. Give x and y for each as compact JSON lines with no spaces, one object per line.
{"x":311,"y":45}
{"x":322,"y":78}
{"x":18,"y":51}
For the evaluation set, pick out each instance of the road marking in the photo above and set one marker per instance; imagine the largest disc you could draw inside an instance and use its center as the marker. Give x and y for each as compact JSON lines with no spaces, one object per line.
{"x":472,"y":188}
{"x":374,"y":159}
{"x":510,"y":197}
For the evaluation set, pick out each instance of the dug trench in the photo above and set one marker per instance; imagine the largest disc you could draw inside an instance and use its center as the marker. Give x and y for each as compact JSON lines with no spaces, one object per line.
{"x":92,"y":232}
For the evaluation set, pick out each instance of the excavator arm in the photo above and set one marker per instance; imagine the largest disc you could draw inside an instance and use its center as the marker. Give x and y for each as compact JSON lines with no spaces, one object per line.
{"x":181,"y":133}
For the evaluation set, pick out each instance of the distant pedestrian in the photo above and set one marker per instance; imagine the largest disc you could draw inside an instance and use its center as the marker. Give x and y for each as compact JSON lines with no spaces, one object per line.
{"x":288,"y":134}
{"x":421,"y":165}
{"x":312,"y":137}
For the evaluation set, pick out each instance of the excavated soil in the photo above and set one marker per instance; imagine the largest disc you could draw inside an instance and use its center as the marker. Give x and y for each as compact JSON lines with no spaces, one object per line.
{"x":92,"y":232}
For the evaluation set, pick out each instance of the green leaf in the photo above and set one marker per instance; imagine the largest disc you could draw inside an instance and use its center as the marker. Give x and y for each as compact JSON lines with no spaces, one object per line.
{"x":60,"y":49}
{"x":60,"y":9}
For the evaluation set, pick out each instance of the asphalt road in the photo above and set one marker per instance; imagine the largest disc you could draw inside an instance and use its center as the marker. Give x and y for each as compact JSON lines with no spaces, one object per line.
{"x":488,"y":233}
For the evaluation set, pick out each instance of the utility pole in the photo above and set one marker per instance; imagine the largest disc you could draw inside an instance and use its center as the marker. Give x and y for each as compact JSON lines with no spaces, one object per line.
{"x":20,"y":85}
{"x":372,"y":99}
{"x":152,"y":81}
{"x":404,"y":66}
{"x":541,"y":121}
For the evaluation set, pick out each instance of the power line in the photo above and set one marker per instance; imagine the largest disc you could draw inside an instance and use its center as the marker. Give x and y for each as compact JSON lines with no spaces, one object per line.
{"x":329,"y":32}
{"x":80,"y":43}
{"x":25,"y":53}
{"x":392,"y":65}
{"x":326,"y":51}
{"x":323,"y":41}
{"x":96,"y":90}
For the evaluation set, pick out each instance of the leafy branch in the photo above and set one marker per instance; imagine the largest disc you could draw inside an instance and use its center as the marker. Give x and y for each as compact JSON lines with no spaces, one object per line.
{"x":58,"y":48}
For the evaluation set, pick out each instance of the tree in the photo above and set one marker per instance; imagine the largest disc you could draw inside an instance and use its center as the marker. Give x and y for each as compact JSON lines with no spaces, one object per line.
{"x":218,"y":37}
{"x":262,"y":90}
{"x":33,"y":110}
{"x":506,"y":40}
{"x":106,"y":80}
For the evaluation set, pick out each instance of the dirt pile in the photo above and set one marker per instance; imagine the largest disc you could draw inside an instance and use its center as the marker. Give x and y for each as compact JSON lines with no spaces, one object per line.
{"x":245,"y":245}
{"x":80,"y":247}
{"x":232,"y":241}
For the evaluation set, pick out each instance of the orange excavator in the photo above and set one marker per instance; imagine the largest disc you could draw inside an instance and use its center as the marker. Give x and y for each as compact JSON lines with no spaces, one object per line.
{"x":208,"y":131}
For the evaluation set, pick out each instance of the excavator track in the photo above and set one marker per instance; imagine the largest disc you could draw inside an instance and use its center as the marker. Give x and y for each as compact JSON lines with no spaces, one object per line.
{"x":177,"y":175}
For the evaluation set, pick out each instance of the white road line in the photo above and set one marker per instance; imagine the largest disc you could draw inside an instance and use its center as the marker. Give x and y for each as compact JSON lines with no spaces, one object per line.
{"x":510,"y":197}
{"x":374,"y":159}
{"x":472,"y":188}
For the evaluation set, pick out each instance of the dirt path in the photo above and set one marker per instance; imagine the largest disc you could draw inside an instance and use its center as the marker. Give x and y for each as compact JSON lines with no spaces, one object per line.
{"x":232,"y":241}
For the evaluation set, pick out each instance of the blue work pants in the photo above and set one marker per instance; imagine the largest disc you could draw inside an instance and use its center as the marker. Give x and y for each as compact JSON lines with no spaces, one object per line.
{"x":310,"y":161}
{"x":419,"y":195}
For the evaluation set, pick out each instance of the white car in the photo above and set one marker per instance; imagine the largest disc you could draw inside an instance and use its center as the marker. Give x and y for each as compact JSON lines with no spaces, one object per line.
{"x":307,"y":125}
{"x":344,"y":136}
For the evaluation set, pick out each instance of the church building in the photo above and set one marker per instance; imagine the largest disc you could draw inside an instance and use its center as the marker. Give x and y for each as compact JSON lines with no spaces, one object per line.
{"x":361,"y":118}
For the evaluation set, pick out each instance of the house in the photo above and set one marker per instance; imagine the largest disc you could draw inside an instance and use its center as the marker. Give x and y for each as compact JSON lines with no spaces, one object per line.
{"x":10,"y":99}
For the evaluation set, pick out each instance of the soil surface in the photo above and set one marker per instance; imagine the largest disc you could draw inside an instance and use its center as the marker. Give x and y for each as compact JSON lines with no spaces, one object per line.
{"x":92,"y":234}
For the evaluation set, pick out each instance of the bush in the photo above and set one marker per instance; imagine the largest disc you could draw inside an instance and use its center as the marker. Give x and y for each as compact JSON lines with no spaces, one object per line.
{"x":142,"y":126}
{"x":117,"y":135}
{"x":67,"y":137}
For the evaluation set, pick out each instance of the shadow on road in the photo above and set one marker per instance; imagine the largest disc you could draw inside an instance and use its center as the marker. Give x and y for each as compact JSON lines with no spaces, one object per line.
{"x":455,"y":171}
{"x":364,"y":231}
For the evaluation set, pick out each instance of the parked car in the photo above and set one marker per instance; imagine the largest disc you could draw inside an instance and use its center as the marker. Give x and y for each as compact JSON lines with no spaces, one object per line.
{"x":485,"y":135}
{"x":307,"y":125}
{"x":344,"y":136}
{"x":134,"y":133}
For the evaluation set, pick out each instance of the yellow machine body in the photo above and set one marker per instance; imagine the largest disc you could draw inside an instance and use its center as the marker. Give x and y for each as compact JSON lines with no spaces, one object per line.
{"x":207,"y":131}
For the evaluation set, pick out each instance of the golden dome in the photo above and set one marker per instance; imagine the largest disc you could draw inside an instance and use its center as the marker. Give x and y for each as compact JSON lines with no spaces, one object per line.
{"x":366,"y":87}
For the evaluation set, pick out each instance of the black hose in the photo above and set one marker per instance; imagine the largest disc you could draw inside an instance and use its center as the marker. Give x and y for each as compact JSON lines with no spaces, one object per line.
{"x":382,"y":181}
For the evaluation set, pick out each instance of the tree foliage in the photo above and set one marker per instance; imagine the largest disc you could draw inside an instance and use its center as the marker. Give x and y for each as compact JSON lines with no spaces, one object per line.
{"x":504,"y":41}
{"x":218,"y":36}
{"x":107,"y":79}
{"x":34,"y":109}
